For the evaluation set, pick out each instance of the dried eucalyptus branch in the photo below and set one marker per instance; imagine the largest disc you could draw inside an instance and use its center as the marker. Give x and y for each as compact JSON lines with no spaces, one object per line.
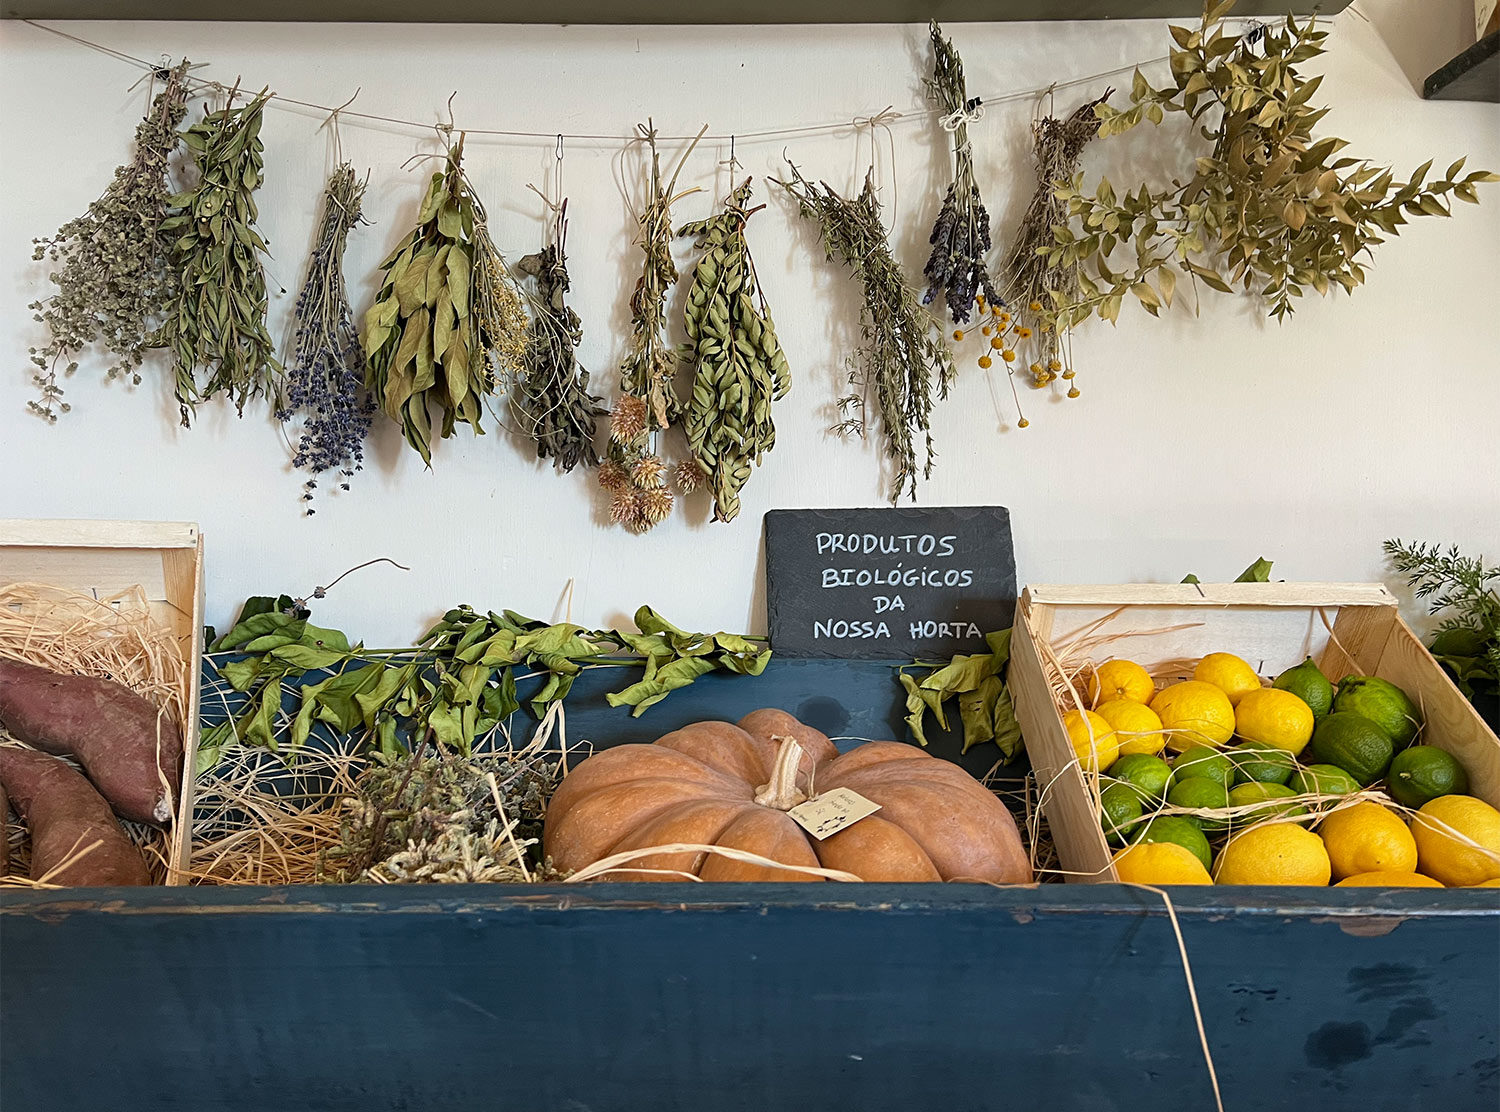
{"x":1269,"y":209}
{"x":326,"y":381}
{"x":115,"y":284}
{"x":961,"y":235}
{"x":552,"y":402}
{"x":219,"y":321}
{"x":636,"y":475}
{"x":1033,"y":280}
{"x":740,"y":368}
{"x":902,"y":355}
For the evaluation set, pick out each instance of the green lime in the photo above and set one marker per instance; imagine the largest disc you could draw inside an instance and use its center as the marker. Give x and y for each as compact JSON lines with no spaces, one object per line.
{"x":1383,"y":703}
{"x":1257,"y":792}
{"x":1119,"y":810}
{"x":1202,"y":762}
{"x":1309,"y":684}
{"x":1322,"y":779}
{"x":1199,"y":792}
{"x":1353,"y":743}
{"x":1261,"y":762}
{"x":1175,"y":829}
{"x":1422,"y":773}
{"x":1149,"y":775}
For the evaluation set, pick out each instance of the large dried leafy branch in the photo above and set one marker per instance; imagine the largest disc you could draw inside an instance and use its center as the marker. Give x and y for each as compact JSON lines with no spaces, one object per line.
{"x":1269,"y":209}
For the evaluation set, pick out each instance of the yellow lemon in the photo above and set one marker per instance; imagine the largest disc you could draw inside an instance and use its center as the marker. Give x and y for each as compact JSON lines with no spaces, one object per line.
{"x":1276,"y":853}
{"x":1495,"y":883}
{"x":1229,"y":674}
{"x":1368,"y":838}
{"x":1093,"y":739}
{"x":1458,"y":840}
{"x":1136,"y":726}
{"x":1274,"y":717}
{"x":1388,"y":880}
{"x":1120,"y":679}
{"x":1160,"y":863}
{"x":1194,"y":713}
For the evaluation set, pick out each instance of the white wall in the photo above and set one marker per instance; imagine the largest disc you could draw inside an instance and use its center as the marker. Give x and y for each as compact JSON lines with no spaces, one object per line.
{"x":1198,"y":444}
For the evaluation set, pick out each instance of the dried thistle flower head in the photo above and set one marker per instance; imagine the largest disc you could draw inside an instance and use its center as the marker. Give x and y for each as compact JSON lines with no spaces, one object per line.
{"x":612,"y":476}
{"x":689,"y":476}
{"x":625,"y":509}
{"x":647,"y":472}
{"x":656,"y":505}
{"x":628,"y":420}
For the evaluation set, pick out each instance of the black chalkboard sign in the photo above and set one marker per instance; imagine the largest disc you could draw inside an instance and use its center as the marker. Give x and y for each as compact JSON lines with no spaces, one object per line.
{"x":890,"y":583}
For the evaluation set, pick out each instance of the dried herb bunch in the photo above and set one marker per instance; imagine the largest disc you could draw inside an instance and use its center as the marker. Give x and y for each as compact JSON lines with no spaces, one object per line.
{"x":635,"y":474}
{"x":326,"y":381}
{"x":218,"y":324}
{"x":961,"y":236}
{"x":739,"y":367}
{"x":1035,"y":281}
{"x":1269,"y":209}
{"x":551,"y":399}
{"x":447,"y":322}
{"x":902,"y":359}
{"x":115,"y":284}
{"x":445,"y":818}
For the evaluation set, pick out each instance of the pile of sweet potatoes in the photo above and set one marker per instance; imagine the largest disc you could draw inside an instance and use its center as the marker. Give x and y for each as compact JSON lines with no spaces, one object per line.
{"x":131,"y":754}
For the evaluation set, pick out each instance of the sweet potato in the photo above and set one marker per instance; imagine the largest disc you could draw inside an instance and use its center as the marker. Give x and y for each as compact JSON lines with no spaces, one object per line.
{"x":66,"y":816}
{"x":109,"y":729}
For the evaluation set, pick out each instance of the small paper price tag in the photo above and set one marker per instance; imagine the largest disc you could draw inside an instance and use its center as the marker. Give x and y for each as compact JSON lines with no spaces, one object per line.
{"x":831,"y":812}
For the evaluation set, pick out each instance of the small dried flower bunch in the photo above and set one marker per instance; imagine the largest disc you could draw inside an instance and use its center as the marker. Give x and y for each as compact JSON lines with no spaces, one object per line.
{"x":1003,"y":334}
{"x":961,"y":236}
{"x":1035,"y":282}
{"x":326,"y":380}
{"x":635,"y":474}
{"x":115,"y":281}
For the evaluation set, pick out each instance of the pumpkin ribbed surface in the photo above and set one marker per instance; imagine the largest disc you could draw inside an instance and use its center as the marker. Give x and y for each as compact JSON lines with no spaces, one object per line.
{"x":727,"y":785}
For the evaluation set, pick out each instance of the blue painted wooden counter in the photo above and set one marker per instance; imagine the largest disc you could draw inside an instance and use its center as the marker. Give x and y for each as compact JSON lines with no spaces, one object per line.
{"x":687,"y":998}
{"x":722,"y":998}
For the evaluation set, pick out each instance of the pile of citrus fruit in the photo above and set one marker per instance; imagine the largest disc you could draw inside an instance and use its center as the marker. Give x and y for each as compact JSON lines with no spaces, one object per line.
{"x":1205,"y":779}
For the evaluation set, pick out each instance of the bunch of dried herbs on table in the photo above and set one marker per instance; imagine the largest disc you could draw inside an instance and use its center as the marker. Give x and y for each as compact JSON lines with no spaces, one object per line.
{"x":1269,"y":208}
{"x":739,"y":367}
{"x":1035,"y":281}
{"x":115,"y":283}
{"x":551,"y":401}
{"x":218,"y":324}
{"x":326,"y":381}
{"x":961,"y":236}
{"x":459,"y":681}
{"x":902,"y":359}
{"x":425,"y":817}
{"x":447,"y":324}
{"x":635,"y":474}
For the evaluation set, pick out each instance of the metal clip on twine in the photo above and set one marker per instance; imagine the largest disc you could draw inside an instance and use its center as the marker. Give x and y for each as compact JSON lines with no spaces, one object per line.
{"x":971,"y":113}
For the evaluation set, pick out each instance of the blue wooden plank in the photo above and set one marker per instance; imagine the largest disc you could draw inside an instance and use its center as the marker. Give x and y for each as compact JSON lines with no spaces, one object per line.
{"x":681,"y":997}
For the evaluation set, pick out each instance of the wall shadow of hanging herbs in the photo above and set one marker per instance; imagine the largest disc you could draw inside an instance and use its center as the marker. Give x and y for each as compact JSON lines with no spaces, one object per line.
{"x":458,"y":681}
{"x":1269,"y":209}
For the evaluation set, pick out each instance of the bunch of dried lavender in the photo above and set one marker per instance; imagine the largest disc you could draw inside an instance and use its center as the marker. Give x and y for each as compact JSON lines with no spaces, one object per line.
{"x":219,"y":320}
{"x":115,"y":284}
{"x":326,"y":383}
{"x":552,"y":400}
{"x":902,"y":355}
{"x":1036,"y":285}
{"x":961,"y":235}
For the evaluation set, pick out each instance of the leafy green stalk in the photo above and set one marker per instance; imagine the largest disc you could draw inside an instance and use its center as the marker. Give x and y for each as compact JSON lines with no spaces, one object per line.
{"x":1468,"y":639}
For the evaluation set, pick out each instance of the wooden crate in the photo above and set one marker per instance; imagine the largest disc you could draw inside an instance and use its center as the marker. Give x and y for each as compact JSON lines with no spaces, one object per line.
{"x":1346,"y":627}
{"x":103,"y":558}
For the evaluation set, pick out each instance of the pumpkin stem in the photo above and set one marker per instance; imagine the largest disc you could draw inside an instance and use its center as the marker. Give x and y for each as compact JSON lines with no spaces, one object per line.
{"x":782,"y":792}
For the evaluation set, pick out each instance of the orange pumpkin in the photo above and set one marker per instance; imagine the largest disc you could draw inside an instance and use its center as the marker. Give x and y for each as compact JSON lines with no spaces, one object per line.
{"x":714,"y":783}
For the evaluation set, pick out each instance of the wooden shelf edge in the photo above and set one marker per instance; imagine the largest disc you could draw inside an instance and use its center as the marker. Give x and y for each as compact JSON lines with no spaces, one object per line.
{"x":661,"y":12}
{"x":1473,"y":75}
